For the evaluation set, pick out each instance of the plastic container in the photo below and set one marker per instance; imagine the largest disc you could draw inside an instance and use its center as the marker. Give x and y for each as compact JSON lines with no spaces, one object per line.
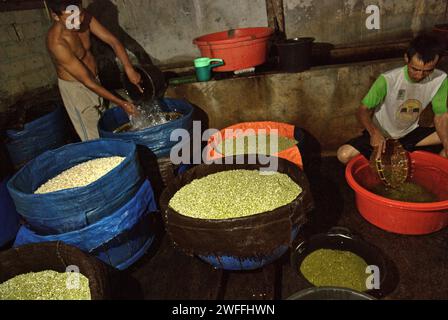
{"x":204,"y":68}
{"x":330,"y":293}
{"x":8,"y":216}
{"x":73,"y":209}
{"x":429,"y":170}
{"x":239,"y":48}
{"x":157,"y":138}
{"x":339,"y":238}
{"x":38,"y":136}
{"x":246,"y":243}
{"x":249,"y":128}
{"x":119,"y":239}
{"x":295,"y":54}
{"x":233,"y":263}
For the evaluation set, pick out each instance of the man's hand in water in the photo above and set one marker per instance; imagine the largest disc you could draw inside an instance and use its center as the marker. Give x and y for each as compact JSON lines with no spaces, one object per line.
{"x":134,"y":77}
{"x":129,"y":108}
{"x":378,"y":142}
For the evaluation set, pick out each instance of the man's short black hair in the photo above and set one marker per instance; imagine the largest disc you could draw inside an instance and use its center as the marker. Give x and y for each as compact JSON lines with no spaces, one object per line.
{"x":426,"y":47}
{"x":60,"y":6}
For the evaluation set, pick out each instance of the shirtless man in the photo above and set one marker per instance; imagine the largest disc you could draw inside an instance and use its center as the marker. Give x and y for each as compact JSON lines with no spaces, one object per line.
{"x":68,"y":42}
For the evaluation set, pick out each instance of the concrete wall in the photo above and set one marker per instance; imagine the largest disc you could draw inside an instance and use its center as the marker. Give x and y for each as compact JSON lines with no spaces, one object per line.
{"x":343,"y":21}
{"x":322,"y":100}
{"x":166,"y":28}
{"x":24,"y":62}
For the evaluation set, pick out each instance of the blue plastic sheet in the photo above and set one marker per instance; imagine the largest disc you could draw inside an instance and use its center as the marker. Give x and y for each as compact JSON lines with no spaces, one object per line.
{"x":118,"y":239}
{"x":73,"y":209}
{"x":43,"y":134}
{"x":251,"y":263}
{"x":9,"y":219}
{"x":157,"y":138}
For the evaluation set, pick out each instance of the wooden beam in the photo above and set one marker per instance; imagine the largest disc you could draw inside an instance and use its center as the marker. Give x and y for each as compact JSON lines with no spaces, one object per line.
{"x":275,"y":12}
{"x":15,"y":5}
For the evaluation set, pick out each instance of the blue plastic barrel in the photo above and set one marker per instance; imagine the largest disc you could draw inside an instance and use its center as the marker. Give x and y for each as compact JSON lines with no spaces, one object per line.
{"x":9,"y":219}
{"x":156,"y":138}
{"x":43,"y":134}
{"x":119,"y":239}
{"x":73,"y":209}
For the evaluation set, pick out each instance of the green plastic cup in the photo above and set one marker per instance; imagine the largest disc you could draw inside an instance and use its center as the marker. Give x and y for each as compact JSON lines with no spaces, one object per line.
{"x":204,"y":68}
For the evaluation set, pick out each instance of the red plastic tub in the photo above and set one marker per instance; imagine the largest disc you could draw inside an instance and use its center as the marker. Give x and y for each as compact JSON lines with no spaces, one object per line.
{"x":239,"y":48}
{"x":429,"y":170}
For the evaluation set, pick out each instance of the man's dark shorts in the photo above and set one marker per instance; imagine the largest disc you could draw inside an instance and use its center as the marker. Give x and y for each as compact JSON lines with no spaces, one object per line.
{"x":409,"y":142}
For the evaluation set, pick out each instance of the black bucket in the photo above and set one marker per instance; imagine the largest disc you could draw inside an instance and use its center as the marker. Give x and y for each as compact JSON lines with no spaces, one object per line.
{"x":340,"y":238}
{"x":295,"y":54}
{"x":153,"y":83}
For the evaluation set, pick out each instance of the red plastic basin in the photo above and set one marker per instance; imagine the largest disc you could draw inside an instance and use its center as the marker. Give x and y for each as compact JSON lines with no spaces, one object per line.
{"x":239,"y":48}
{"x":429,"y":170}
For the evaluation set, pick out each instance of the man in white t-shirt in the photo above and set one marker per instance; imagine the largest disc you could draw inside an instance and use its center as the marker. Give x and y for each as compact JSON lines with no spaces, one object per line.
{"x":392,"y":108}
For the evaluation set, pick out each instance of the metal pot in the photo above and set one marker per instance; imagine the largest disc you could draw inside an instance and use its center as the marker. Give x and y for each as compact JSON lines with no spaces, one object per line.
{"x":330,"y":293}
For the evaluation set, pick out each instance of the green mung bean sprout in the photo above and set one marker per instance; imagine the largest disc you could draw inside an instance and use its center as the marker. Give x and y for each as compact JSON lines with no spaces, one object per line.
{"x":235,"y":194}
{"x":334,"y":268}
{"x":46,"y":285}
{"x":259,"y":144}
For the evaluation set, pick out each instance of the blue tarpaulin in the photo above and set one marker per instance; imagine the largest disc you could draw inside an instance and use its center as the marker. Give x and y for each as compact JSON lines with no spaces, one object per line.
{"x":43,"y":134}
{"x":9,"y":219}
{"x":117,"y":239}
{"x":73,"y":209}
{"x":156,"y":138}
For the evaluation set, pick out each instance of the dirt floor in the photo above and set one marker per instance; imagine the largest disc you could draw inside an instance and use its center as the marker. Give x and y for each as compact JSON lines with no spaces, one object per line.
{"x":419,"y":264}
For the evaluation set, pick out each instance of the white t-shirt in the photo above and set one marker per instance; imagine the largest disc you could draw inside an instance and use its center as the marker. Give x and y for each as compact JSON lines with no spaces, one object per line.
{"x":399,"y":114}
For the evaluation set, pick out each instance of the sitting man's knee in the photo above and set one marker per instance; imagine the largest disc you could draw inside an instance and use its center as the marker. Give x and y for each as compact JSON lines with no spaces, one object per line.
{"x":345,"y":154}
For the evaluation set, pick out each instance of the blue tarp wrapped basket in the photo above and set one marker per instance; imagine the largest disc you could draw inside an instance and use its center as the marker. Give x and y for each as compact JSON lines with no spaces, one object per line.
{"x":43,"y":134}
{"x":73,"y":209}
{"x":156,"y":138}
{"x":119,"y":239}
{"x":9,"y":219}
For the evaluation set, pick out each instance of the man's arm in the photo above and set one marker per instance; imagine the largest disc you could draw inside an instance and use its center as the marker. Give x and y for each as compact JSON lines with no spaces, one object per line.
{"x":441,"y":123}
{"x":65,"y":58}
{"x":104,"y":35}
{"x":377,"y":139}
{"x":372,"y":100}
{"x":439,"y":106}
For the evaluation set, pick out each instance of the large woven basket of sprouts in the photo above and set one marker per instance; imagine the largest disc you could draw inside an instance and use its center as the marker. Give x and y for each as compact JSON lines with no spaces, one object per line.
{"x":52,"y":271}
{"x":73,"y":187}
{"x":236,"y":210}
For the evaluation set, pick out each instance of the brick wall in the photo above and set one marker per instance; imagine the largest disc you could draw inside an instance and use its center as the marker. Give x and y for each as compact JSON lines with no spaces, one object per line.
{"x":25,"y":66}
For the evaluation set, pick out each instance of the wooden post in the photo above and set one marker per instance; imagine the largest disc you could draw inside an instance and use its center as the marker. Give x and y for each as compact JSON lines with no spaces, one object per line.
{"x":275,"y":11}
